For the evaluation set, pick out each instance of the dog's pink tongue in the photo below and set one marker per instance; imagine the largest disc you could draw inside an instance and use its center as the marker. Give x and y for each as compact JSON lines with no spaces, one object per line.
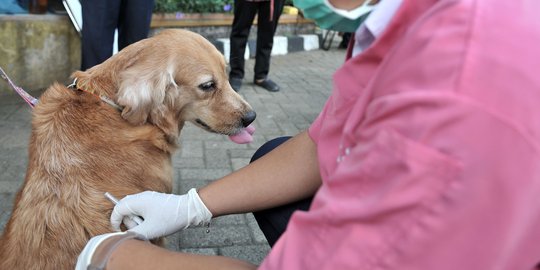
{"x":244,"y":136}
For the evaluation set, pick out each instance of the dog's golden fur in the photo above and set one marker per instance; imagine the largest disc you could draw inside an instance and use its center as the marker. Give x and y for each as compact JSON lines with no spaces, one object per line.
{"x":81,"y":147}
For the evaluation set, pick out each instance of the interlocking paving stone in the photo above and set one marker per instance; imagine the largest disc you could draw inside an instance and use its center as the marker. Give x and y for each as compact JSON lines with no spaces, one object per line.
{"x":238,"y":163}
{"x":203,"y":251}
{"x":189,"y":162}
{"x":6,"y":203}
{"x":224,"y":235}
{"x":251,"y":253}
{"x":257,"y":234}
{"x":204,"y":174}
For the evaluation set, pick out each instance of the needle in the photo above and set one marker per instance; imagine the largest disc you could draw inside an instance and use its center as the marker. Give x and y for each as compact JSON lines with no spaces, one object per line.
{"x":111,"y":198}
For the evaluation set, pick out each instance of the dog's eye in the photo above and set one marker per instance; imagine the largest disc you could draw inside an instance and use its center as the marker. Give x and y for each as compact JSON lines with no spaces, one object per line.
{"x":207,"y":86}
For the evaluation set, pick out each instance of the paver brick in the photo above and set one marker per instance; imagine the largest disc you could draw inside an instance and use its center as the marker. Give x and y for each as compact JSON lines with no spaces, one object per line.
{"x":224,"y":235}
{"x":251,"y":253}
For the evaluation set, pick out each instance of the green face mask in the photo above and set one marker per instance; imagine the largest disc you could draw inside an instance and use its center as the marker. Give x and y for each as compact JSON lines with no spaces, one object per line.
{"x":331,"y":18}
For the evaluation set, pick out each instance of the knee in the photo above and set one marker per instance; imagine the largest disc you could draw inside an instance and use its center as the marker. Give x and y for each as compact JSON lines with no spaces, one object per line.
{"x":268,"y":146}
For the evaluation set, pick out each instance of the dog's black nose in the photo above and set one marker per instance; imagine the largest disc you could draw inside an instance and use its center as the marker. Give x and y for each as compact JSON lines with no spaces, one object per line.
{"x":248,"y":118}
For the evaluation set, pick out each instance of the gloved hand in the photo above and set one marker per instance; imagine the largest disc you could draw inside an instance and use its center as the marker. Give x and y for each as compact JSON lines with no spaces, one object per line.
{"x":98,"y":250}
{"x":163,"y":214}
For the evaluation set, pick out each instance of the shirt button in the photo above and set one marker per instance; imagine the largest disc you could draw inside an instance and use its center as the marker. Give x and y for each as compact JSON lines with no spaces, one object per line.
{"x":347,"y":151}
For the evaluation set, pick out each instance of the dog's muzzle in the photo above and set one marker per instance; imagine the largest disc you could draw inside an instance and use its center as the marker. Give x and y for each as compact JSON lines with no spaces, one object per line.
{"x":248,"y":118}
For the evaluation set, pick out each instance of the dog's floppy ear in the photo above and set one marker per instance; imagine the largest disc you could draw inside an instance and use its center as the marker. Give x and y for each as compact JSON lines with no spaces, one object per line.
{"x":148,"y":95}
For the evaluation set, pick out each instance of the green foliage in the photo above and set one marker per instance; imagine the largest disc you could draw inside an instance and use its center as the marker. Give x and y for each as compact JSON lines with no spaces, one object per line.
{"x":194,"y":6}
{"x":166,"y":6}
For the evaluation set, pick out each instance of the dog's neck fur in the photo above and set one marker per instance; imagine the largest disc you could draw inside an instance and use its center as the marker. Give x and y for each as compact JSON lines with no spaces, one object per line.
{"x":104,"y":78}
{"x":98,"y":82}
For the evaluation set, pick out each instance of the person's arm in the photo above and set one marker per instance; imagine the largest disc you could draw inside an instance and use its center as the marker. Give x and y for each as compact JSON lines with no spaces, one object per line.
{"x":121,"y":250}
{"x":135,"y":254}
{"x":288,"y":173}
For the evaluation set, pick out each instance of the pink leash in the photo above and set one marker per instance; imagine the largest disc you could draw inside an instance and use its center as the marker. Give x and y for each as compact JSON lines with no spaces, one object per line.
{"x":24,"y":95}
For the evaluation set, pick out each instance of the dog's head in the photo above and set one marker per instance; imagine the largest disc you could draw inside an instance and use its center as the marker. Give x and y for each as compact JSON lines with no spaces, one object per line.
{"x":177,"y":76}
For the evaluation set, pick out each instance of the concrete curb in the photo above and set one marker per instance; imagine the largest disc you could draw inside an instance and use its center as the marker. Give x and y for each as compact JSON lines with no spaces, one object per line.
{"x":282,"y":45}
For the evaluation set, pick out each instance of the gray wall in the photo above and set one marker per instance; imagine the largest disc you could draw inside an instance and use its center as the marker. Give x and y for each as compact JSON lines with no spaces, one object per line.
{"x":36,"y":50}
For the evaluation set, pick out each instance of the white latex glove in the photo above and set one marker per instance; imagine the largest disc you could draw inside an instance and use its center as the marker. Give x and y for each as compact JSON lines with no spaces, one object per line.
{"x":163,"y":214}
{"x":99,"y":248}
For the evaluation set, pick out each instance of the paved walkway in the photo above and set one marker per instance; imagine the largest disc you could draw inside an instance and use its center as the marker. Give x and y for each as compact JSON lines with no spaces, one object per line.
{"x":305,"y":78}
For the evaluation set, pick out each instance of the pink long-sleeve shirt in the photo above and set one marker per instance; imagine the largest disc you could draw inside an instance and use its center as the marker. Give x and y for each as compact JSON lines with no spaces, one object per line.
{"x":429,"y":147}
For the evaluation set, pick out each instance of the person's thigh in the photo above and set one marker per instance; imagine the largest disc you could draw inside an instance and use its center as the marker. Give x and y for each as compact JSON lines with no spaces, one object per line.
{"x":273,"y":221}
{"x":265,"y":11}
{"x":134,"y":21}
{"x":100,"y":18}
{"x":268,"y":146}
{"x":244,"y":13}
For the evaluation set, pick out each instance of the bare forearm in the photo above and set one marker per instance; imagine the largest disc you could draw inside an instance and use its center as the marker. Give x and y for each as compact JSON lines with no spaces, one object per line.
{"x":288,"y":173}
{"x":135,"y":254}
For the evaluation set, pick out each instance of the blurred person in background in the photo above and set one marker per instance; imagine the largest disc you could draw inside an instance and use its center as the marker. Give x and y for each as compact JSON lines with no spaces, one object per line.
{"x":100,"y":20}
{"x":268,"y":13}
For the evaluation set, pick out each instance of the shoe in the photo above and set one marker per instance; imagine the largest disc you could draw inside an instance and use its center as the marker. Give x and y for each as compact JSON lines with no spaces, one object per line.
{"x":268,"y":85}
{"x":236,"y":83}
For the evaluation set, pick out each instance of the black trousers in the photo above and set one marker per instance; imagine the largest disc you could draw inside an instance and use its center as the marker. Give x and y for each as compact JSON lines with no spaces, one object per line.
{"x":102,"y":17}
{"x":244,"y":13}
{"x":273,"y":221}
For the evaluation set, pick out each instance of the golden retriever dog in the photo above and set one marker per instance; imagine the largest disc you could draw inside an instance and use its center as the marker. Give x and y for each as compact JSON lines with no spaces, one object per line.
{"x":82,"y":147}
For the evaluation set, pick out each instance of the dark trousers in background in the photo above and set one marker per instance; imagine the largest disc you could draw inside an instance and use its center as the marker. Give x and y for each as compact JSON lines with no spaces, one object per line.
{"x":273,"y":221}
{"x":102,"y":17}
{"x":244,"y":13}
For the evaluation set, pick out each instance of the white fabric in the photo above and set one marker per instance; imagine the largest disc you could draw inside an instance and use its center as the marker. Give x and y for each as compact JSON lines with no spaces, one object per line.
{"x":163,"y":214}
{"x":375,"y":24}
{"x":85,"y":258}
{"x":354,"y":13}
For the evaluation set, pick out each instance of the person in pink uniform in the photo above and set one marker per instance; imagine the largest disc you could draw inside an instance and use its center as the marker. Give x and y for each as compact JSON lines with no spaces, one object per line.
{"x":425,"y":156}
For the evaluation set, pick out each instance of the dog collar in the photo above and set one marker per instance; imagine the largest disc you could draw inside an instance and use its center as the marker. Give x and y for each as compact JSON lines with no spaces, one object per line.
{"x":103,"y":98}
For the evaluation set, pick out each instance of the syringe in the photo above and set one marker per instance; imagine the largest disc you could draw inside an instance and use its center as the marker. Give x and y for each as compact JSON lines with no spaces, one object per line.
{"x":113,"y":199}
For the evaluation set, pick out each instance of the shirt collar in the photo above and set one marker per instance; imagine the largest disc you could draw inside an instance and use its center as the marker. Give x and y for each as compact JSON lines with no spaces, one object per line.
{"x":375,"y":24}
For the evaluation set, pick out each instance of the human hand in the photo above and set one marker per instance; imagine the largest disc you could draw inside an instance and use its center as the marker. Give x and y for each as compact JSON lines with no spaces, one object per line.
{"x":163,"y":214}
{"x":99,"y":248}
